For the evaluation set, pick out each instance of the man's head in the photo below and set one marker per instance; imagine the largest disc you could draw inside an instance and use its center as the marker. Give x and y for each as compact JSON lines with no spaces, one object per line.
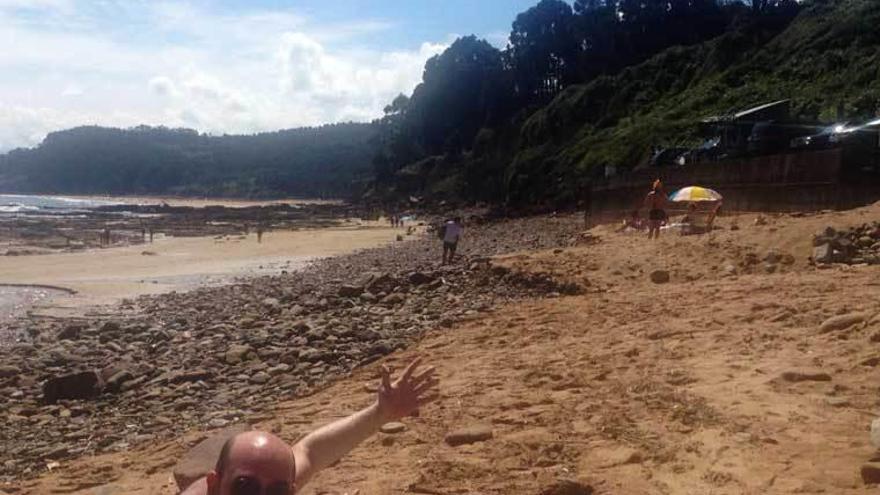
{"x":253,"y":463}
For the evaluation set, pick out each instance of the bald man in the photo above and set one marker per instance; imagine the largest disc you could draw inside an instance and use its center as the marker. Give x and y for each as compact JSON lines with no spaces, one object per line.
{"x":259,"y":463}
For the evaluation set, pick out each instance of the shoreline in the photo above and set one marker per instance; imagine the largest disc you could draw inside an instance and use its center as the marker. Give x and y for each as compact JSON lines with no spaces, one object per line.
{"x":106,"y":277}
{"x":193,"y":201}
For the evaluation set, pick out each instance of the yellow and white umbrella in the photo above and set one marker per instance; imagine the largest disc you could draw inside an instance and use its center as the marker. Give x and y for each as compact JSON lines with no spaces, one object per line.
{"x":694,"y":193}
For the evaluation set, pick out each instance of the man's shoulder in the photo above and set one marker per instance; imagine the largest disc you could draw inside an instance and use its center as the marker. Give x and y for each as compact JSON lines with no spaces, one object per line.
{"x":199,"y":487}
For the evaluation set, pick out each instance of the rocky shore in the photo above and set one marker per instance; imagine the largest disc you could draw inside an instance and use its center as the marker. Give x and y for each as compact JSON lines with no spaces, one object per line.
{"x":215,"y":356}
{"x":28,"y":233}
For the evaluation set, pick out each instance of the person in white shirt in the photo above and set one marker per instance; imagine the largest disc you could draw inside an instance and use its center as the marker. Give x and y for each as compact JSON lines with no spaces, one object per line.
{"x":451,"y":235}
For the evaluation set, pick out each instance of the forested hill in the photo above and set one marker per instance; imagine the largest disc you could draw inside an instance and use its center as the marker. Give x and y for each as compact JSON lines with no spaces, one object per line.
{"x":598,"y":83}
{"x":326,"y":161}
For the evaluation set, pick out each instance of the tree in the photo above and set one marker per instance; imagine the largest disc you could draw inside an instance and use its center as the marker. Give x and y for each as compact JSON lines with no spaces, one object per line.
{"x":461,"y":89}
{"x":543,"y":50}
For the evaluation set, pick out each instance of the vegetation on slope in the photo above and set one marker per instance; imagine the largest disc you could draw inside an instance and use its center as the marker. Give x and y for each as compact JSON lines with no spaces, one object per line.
{"x":328,"y":161}
{"x":823,"y":55}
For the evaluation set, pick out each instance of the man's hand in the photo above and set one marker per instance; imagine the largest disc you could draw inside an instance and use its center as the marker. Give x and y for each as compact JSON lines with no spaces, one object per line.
{"x":405,"y":395}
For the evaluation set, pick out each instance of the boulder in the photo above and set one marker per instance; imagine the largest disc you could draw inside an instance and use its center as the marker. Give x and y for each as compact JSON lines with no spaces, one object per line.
{"x":567,"y":487}
{"x":203,"y":457}
{"x":381,"y":283}
{"x":116,"y":380}
{"x":871,"y":473}
{"x":660,"y":276}
{"x":391,"y":299}
{"x":110,"y":327}
{"x":84,"y":385}
{"x":194,"y":375}
{"x":350,"y":291}
{"x":420,"y":278}
{"x":237,"y":353}
{"x":469,"y":435}
{"x":70,"y":332}
{"x":259,"y":377}
{"x":8,"y":370}
{"x":823,"y":253}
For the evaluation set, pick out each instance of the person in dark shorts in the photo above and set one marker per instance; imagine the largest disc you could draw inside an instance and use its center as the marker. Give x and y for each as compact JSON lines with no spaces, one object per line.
{"x":655,"y":202}
{"x":451,"y":235}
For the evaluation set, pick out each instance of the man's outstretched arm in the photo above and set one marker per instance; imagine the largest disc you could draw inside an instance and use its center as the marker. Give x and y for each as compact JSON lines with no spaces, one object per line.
{"x":396,"y":400}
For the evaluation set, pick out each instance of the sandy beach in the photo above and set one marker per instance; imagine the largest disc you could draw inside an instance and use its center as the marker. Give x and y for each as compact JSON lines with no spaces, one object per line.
{"x":106,"y":276}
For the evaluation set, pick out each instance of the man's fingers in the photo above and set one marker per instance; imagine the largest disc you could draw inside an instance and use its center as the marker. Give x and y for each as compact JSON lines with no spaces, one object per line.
{"x":386,"y":379}
{"x":422,"y":376}
{"x":428,"y":385}
{"x":410,"y":369}
{"x":429,"y":399}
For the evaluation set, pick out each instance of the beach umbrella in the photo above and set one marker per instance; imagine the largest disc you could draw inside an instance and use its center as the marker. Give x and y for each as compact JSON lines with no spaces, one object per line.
{"x":694,"y":193}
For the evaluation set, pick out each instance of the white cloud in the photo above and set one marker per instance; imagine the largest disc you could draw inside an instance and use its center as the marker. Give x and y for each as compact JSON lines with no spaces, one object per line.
{"x":178,"y":64}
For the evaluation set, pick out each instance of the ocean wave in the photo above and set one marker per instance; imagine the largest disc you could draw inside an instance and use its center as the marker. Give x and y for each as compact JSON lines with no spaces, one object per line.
{"x":17,"y":207}
{"x":17,"y":203}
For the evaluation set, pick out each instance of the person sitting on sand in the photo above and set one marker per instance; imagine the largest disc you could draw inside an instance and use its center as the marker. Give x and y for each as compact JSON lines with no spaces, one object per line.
{"x":633,"y":222}
{"x":257,"y":462}
{"x":451,"y":235}
{"x":655,"y":202}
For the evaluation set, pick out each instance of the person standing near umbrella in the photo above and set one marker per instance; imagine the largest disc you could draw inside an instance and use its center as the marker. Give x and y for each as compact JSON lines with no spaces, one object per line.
{"x":655,"y":202}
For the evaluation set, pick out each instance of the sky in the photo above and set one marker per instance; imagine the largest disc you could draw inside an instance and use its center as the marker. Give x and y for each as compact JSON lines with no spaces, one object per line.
{"x":221,"y":66}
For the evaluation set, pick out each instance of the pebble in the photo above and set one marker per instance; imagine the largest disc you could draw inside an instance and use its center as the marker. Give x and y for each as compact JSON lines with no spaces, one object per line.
{"x":659,"y":276}
{"x":871,"y":473}
{"x":392,"y":428}
{"x":842,"y":322}
{"x":469,"y":435}
{"x":568,"y":487}
{"x":805,"y":376}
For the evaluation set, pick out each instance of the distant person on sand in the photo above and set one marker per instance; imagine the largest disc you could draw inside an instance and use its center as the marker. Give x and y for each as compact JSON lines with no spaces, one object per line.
{"x":259,"y":463}
{"x":655,"y":202}
{"x":260,"y":230}
{"x":451,"y":233}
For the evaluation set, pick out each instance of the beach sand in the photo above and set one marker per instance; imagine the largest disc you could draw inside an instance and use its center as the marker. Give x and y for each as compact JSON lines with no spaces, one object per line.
{"x":106,"y":276}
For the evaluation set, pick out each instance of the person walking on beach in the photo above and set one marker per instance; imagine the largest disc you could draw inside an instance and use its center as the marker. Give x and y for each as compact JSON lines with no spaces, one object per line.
{"x":257,"y":462}
{"x":260,"y":230}
{"x":451,"y":234}
{"x":655,"y":202}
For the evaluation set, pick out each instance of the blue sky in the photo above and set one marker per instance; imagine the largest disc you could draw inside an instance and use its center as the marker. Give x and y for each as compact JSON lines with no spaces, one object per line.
{"x":220,"y":66}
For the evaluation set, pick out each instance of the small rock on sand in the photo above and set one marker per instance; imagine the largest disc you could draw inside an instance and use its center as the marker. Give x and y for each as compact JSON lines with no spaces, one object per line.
{"x":73,"y":386}
{"x":659,"y":276}
{"x":469,"y":435}
{"x":392,"y":428}
{"x":805,"y":376}
{"x":871,"y":473}
{"x":568,"y":487}
{"x":842,"y":322}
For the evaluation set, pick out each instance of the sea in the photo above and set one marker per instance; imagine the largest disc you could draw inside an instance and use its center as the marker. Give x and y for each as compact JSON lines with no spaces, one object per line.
{"x":19,"y":203}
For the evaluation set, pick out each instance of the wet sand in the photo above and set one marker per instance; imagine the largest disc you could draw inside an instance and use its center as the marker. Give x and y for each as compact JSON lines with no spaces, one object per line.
{"x":106,"y":276}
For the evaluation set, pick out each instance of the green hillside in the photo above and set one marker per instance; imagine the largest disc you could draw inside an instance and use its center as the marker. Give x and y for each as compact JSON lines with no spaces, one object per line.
{"x":826,"y":58}
{"x":327,"y":161}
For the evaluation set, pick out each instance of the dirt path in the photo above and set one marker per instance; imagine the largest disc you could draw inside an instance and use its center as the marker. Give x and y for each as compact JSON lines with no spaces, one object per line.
{"x":634,"y":387}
